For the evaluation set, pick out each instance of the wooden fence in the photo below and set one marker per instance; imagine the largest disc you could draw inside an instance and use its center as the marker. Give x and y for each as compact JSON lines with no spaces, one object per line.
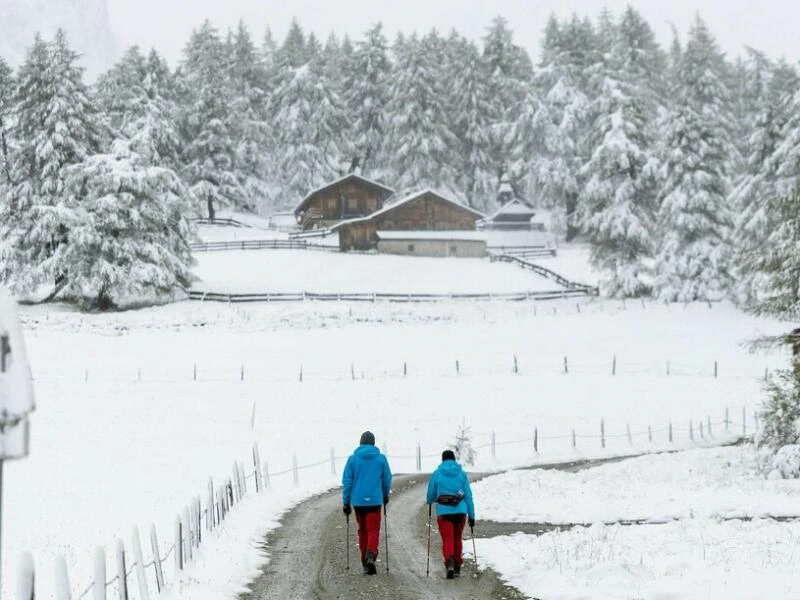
{"x":253,"y":245}
{"x":523,"y":252}
{"x":588,"y":290}
{"x":218,"y":221}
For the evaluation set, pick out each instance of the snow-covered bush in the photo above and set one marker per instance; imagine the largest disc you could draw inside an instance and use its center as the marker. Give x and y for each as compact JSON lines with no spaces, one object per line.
{"x":781,"y":412}
{"x":786,"y":463}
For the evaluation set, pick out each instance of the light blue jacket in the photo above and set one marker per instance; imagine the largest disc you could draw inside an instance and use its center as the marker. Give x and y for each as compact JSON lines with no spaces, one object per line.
{"x":450,"y":479}
{"x":367,"y":479}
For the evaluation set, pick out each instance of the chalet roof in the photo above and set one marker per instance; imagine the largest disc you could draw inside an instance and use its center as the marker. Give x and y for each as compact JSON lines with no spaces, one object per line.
{"x":447,"y":236}
{"x":411,"y":197}
{"x":515,"y":206}
{"x":350,"y":176}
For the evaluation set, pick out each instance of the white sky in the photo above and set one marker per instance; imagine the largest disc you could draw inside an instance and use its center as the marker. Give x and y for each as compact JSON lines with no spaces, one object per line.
{"x":166,"y":24}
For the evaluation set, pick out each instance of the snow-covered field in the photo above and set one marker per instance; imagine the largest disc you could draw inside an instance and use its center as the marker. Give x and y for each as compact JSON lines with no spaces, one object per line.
{"x":710,"y":550}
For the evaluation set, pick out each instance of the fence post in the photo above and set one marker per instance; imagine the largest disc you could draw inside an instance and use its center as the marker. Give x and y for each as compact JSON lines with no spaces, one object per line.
{"x":99,"y":572}
{"x":352,"y":371}
{"x":602,"y":433}
{"x":121,"y":571}
{"x":702,"y":432}
{"x":237,"y":481}
{"x":574,"y":440}
{"x":727,"y":420}
{"x":614,"y":365}
{"x":267,"y":484}
{"x":257,"y":464}
{"x":667,"y":368}
{"x":405,"y":369}
{"x":691,"y":429}
{"x":419,"y":458}
{"x":755,"y":420}
{"x":650,"y":433}
{"x":136,"y":545}
{"x":670,"y":432}
{"x":333,"y":462}
{"x":62,"y":580}
{"x":187,"y":533}
{"x":295,"y":472}
{"x":708,"y":423}
{"x":194,"y":373}
{"x":744,"y":421}
{"x":139,"y":375}
{"x":242,"y":479}
{"x":494,"y":447}
{"x":458,"y":368}
{"x":178,"y":544}
{"x":628,"y":431}
{"x":566,"y":366}
{"x":536,"y":440}
{"x":301,"y":373}
{"x":716,"y":367}
{"x":156,"y":558}
{"x":516,"y":365}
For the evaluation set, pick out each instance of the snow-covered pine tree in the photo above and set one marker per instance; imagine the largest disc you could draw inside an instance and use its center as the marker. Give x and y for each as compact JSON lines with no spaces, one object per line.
{"x":553,"y":126}
{"x":56,"y":127}
{"x":117,"y":90}
{"x":247,"y":120}
{"x":366,"y":85}
{"x":617,"y":205}
{"x":311,"y":127}
{"x":131,"y":242}
{"x":6,"y":103}
{"x":695,"y":219}
{"x":760,"y":195}
{"x":209,"y":157}
{"x":418,"y":138}
{"x":470,"y":113}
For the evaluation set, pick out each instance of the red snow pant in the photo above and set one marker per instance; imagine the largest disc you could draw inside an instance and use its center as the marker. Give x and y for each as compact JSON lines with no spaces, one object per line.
{"x":451,"y":528}
{"x":369,"y":529}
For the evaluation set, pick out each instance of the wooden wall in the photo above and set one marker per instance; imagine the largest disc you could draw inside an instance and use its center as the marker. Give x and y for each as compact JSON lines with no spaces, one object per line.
{"x":426,"y":213}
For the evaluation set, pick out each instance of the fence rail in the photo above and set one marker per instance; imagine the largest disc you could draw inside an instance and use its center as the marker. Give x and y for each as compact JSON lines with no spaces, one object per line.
{"x":194,"y":523}
{"x":219,"y":221}
{"x":382,"y":296}
{"x":250,"y":245}
{"x":530,"y":251}
{"x":588,"y":290}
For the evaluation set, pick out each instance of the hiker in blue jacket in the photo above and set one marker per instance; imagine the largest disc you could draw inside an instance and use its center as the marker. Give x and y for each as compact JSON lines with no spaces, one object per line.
{"x":449,"y":489}
{"x":366,"y":485}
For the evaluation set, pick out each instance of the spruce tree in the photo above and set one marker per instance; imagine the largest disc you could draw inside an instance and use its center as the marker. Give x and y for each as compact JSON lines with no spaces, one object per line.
{"x":695,"y":220}
{"x":6,"y":105}
{"x":366,"y":96}
{"x":209,"y":158}
{"x":56,"y":127}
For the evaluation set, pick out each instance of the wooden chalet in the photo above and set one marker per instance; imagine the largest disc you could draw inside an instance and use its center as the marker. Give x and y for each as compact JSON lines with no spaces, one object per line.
{"x":351,"y":196}
{"x":514,"y":215}
{"x":421,"y":211}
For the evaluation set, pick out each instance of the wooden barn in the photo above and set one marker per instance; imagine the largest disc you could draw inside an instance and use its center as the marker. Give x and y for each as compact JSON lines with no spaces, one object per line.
{"x":421,"y":211}
{"x":349,"y":197}
{"x":462,"y":244}
{"x":514,"y":215}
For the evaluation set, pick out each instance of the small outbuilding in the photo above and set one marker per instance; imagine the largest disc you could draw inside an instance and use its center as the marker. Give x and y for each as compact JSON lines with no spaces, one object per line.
{"x":463,"y":244}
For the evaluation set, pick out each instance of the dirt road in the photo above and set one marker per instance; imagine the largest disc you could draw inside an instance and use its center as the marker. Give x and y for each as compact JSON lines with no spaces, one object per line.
{"x":308,"y":556}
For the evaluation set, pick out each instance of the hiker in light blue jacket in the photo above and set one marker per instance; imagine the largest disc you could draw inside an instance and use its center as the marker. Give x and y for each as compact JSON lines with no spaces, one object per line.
{"x":366,"y":485}
{"x":449,"y":489}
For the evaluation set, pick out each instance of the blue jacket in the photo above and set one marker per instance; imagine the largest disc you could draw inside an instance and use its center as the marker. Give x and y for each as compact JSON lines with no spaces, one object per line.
{"x":367,"y":479}
{"x":450,"y":479}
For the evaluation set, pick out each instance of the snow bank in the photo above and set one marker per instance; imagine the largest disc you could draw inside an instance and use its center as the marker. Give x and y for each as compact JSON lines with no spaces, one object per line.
{"x":699,"y":559}
{"x":720,"y":482}
{"x":786,"y":463}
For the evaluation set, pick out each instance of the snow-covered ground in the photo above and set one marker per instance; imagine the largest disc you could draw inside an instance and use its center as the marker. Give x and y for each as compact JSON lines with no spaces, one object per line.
{"x":332,"y":272}
{"x":701,"y":554}
{"x":714,"y":483}
{"x":571,"y":261}
{"x":698,"y":559}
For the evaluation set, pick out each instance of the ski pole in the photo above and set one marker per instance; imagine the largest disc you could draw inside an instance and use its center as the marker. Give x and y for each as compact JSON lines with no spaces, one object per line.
{"x":474,"y":552}
{"x":428,"y":568}
{"x":386,"y":536}
{"x":347,"y":540}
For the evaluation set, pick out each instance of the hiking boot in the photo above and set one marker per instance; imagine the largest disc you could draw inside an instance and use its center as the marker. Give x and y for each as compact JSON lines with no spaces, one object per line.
{"x":458,"y":570}
{"x":369,"y":563}
{"x":364,"y":566}
{"x":450,"y":565}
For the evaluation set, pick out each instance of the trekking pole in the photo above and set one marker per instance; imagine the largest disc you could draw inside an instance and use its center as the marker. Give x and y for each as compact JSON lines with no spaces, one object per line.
{"x":428,"y":567}
{"x":474,"y":552}
{"x":386,"y":536}
{"x":347,"y":541}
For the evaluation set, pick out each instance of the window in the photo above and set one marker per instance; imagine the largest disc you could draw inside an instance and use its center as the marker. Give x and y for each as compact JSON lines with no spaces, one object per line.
{"x":352,"y":205}
{"x":331,"y":205}
{"x":411,"y":247}
{"x":453,"y":249}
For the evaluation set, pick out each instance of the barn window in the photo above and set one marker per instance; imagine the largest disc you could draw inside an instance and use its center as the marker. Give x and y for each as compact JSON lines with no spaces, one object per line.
{"x":331,"y":205}
{"x":411,"y":247}
{"x":352,"y":205}
{"x":453,"y":249}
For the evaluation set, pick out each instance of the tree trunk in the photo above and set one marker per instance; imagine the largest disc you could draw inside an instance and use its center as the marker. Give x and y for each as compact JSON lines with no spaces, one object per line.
{"x":211,"y":209}
{"x":571,"y":206}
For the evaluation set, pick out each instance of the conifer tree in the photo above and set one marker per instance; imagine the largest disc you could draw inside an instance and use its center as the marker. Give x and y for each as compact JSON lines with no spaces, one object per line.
{"x":6,"y":100}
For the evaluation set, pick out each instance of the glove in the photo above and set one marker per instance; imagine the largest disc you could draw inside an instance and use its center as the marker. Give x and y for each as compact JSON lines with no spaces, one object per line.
{"x":471,"y":523}
{"x":347,"y":509}
{"x":386,"y":501}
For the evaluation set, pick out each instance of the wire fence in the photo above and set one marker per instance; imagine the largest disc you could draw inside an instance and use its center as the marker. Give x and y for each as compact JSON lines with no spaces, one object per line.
{"x":195,"y":523}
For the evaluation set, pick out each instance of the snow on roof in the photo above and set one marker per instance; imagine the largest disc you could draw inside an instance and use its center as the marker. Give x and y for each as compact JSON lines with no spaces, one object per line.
{"x":415,"y":195}
{"x":516,"y":206}
{"x":342,"y":179}
{"x":448,"y":236}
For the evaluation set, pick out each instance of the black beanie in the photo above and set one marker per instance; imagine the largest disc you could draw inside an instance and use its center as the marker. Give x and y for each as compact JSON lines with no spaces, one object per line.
{"x":448,"y":455}
{"x":367,"y":438}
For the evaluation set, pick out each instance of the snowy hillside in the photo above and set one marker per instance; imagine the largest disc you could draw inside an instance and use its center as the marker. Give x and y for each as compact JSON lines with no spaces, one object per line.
{"x":85,"y":21}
